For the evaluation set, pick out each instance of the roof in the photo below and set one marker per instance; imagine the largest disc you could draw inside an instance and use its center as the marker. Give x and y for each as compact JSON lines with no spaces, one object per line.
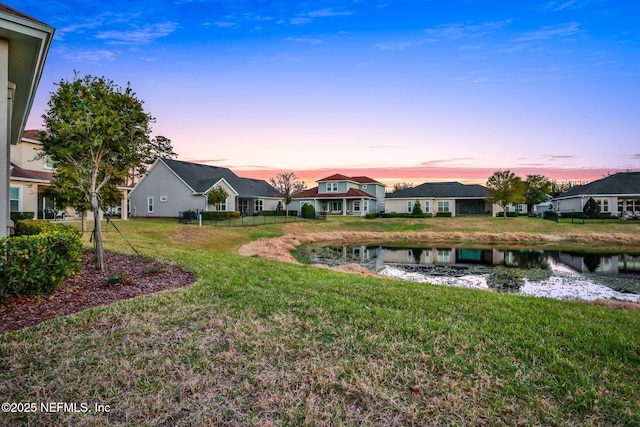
{"x":19,"y":173}
{"x":6,"y":9}
{"x":29,"y":41}
{"x":358,"y":179}
{"x":202,"y":177}
{"x":619,"y":183}
{"x":312,"y":193}
{"x":32,"y":134}
{"x":440,"y":190}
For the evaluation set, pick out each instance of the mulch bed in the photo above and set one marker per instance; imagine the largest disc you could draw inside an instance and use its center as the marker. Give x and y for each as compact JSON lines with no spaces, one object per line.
{"x":91,"y":287}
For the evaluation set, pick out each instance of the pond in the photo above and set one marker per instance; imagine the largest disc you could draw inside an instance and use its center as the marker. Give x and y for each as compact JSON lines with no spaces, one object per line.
{"x":537,"y":272}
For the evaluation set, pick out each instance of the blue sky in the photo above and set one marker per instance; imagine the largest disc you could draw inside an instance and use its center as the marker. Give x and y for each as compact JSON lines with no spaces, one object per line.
{"x":397,"y":90}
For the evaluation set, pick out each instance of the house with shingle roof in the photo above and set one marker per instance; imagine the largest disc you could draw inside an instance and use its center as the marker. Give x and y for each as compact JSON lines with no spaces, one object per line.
{"x":617,"y":194}
{"x":449,"y":198}
{"x":31,"y":176}
{"x":343,"y":195}
{"x":24,"y":44}
{"x":173,"y":186}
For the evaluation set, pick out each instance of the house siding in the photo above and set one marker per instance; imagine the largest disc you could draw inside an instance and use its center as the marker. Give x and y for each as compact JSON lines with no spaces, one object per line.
{"x":231,"y":198}
{"x":161,"y":181}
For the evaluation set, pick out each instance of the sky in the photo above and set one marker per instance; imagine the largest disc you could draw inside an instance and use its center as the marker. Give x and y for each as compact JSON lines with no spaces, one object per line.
{"x":400,"y":91}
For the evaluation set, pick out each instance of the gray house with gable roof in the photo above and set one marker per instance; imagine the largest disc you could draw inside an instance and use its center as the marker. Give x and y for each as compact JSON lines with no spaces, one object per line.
{"x":173,"y":186}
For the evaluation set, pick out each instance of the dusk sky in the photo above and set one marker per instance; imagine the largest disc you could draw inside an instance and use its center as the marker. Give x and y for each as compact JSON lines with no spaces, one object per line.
{"x":406,"y":90}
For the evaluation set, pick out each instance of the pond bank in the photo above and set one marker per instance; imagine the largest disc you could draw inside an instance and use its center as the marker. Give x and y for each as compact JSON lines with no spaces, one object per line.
{"x":280,"y":248}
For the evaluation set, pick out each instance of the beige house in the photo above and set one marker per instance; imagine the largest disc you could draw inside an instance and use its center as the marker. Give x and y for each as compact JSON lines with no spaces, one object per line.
{"x":24,"y":44}
{"x":30,"y":176}
{"x":442,"y":198}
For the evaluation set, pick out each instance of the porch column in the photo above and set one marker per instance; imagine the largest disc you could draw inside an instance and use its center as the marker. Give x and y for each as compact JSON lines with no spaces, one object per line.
{"x":344,"y":207}
{"x":362,"y":211}
{"x":5,"y":119}
{"x":124,"y":205}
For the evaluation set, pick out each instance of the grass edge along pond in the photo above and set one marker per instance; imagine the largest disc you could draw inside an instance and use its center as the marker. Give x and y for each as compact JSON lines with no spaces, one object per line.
{"x":260,"y":342}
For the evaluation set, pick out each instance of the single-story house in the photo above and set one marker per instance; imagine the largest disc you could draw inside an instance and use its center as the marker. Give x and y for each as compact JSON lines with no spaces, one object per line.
{"x":442,"y":197}
{"x":174,"y":186}
{"x":24,"y":44}
{"x":343,"y":195}
{"x":617,"y":194}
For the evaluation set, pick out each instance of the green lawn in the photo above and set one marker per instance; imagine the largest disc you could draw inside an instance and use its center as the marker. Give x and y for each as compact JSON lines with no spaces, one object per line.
{"x":257,"y":342}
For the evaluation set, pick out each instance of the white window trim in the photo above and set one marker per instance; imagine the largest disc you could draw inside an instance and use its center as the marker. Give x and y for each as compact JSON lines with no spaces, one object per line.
{"x":19,"y":188}
{"x":150,"y":204}
{"x":445,"y":207}
{"x":47,"y":163}
{"x":332,"y":187}
{"x":409,"y":207}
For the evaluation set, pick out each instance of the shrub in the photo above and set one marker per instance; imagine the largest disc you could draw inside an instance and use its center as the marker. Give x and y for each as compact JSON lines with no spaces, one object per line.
{"x":591,"y":208}
{"x":31,"y":227}
{"x":510,"y":214}
{"x":19,"y":216}
{"x":417,"y":209}
{"x":443,"y":214}
{"x":279,"y":209}
{"x":189,"y":215}
{"x":308,"y":211}
{"x":220,"y":215}
{"x":34,"y":264}
{"x":404,"y":215}
{"x":505,"y":279}
{"x":372,"y":215}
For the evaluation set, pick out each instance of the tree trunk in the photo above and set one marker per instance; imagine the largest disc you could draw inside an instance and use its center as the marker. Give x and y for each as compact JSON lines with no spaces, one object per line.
{"x":97,"y":233}
{"x":83,"y":217}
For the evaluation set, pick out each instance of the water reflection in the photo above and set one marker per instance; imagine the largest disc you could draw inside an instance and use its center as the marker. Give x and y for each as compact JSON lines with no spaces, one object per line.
{"x":556,"y":274}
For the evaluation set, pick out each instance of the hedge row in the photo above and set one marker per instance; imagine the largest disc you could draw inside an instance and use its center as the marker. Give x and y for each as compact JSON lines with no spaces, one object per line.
{"x":219,"y":215}
{"x":19,"y":216}
{"x":40,"y":259}
{"x":277,"y":213}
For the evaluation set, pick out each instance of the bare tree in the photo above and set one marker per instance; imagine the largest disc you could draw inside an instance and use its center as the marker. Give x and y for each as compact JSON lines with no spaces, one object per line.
{"x":287,"y":184}
{"x":399,"y":186}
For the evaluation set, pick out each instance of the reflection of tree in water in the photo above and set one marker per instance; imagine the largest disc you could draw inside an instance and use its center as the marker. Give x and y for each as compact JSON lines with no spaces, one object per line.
{"x":592,"y":261}
{"x":417,"y":255}
{"x":530,"y":259}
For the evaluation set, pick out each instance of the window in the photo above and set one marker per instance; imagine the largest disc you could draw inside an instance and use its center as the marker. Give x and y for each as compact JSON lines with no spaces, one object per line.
{"x":48,"y":163}
{"x":364,"y":186}
{"x":444,"y":255}
{"x":603,"y":204}
{"x":259,"y":205}
{"x":163,"y":199}
{"x":356,"y":205}
{"x":14,"y":199}
{"x":426,"y":206}
{"x":149,"y":204}
{"x":443,"y":206}
{"x":409,"y":207}
{"x":332,"y":186}
{"x":366,"y":206}
{"x":221,"y":206}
